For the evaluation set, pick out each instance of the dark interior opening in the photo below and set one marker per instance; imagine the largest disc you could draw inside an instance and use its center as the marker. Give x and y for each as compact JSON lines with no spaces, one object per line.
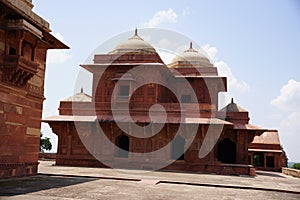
{"x":12,"y":51}
{"x":123,"y":143}
{"x":227,"y":151}
{"x":270,"y":161}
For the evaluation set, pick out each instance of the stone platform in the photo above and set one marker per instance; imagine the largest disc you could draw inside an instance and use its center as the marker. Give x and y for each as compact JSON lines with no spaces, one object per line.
{"x":54,"y":182}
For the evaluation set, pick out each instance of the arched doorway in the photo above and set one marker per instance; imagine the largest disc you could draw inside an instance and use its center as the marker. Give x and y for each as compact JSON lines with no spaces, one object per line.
{"x":227,"y":151}
{"x":177,"y":148}
{"x":123,"y":143}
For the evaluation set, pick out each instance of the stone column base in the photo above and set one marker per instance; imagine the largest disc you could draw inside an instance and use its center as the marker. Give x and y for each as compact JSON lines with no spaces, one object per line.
{"x":10,"y":170}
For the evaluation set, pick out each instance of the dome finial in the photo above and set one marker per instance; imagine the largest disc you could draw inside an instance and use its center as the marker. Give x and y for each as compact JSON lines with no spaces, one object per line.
{"x":191,"y":45}
{"x":232,"y":100}
{"x":135,"y":32}
{"x":81,"y":90}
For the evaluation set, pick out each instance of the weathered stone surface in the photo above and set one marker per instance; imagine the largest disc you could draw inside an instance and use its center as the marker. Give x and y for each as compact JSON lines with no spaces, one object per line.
{"x":22,"y":73}
{"x":291,"y":172}
{"x":96,"y":183}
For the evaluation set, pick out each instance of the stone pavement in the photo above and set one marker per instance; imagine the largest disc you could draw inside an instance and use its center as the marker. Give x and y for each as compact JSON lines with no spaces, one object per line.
{"x":55,"y":182}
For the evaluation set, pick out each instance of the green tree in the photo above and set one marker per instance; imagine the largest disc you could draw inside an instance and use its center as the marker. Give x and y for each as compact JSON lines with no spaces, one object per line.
{"x":45,"y":143}
{"x":296,"y":166}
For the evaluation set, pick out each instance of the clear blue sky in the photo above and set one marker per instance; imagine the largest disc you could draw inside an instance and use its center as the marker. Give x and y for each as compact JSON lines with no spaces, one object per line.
{"x":259,"y":41}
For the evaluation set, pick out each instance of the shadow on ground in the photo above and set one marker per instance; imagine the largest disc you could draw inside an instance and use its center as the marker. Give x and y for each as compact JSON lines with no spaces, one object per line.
{"x":12,"y":187}
{"x":269,"y":174}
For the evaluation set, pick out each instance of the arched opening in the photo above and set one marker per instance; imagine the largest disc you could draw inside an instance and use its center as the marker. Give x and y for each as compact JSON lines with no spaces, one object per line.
{"x":177,"y":148}
{"x":227,"y":151}
{"x":123,"y":143}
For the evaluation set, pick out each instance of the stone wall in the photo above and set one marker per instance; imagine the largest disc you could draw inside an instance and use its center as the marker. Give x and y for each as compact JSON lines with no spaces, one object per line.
{"x":291,"y":172}
{"x":24,"y":40}
{"x":47,"y":156}
{"x":21,"y":105}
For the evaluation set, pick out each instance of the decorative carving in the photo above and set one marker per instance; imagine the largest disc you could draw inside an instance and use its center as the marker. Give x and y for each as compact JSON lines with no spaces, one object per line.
{"x":34,"y":89}
{"x":19,"y":77}
{"x":18,"y":69}
{"x":2,"y":12}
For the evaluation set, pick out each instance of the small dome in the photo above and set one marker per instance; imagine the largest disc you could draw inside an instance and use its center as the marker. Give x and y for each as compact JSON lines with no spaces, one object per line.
{"x":233,"y":107}
{"x":135,"y":44}
{"x":79,"y":97}
{"x":191,"y":57}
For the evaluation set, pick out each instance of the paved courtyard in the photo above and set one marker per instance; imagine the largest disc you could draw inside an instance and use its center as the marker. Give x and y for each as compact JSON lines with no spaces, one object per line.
{"x":54,"y":182}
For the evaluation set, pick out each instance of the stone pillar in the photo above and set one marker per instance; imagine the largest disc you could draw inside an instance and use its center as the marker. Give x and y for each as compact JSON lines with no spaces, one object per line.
{"x":265,"y":160}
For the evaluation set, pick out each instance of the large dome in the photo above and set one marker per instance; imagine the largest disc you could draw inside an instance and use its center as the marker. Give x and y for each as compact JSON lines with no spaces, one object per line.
{"x":135,"y":44}
{"x":191,"y":57}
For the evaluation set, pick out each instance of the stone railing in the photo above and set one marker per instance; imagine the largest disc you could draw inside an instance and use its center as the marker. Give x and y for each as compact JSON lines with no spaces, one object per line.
{"x":47,"y":156}
{"x":291,"y":172}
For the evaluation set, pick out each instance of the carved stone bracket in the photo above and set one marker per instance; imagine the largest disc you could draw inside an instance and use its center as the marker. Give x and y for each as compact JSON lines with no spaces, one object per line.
{"x":18,"y":70}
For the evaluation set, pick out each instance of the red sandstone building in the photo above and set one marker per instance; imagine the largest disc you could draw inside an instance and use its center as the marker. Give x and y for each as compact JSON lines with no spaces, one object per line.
{"x":221,"y":137}
{"x":24,"y":40}
{"x":266,"y":153}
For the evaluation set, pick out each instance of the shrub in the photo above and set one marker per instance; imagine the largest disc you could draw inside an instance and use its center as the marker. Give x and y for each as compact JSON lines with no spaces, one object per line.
{"x":45,"y":143}
{"x":296,"y":166}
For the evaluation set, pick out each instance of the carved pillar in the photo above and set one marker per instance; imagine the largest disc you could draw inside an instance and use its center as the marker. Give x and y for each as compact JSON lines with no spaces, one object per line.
{"x":265,"y":160}
{"x":69,"y":144}
{"x":6,"y":48}
{"x":20,"y":46}
{"x":240,"y":153}
{"x":33,"y":51}
{"x":56,"y":129}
